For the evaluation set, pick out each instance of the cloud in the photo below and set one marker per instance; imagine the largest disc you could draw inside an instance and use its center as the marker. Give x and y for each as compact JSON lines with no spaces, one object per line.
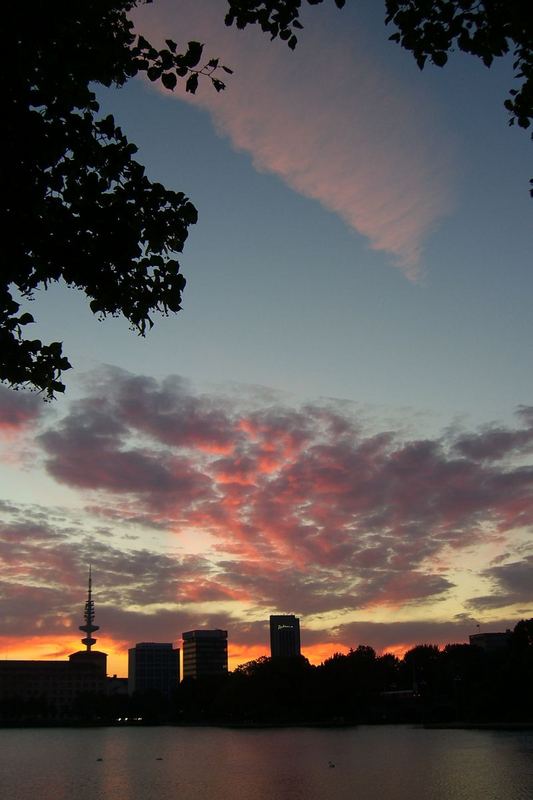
{"x":330,"y":120}
{"x":172,"y":414}
{"x":88,"y":450}
{"x":512,"y":585}
{"x":495,"y":443}
{"x":302,"y":508}
{"x":44,"y":573}
{"x":19,"y":410}
{"x":296,"y":508}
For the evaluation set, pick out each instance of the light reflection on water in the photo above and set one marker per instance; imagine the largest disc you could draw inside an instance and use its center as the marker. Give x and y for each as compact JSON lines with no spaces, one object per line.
{"x":387,"y":763}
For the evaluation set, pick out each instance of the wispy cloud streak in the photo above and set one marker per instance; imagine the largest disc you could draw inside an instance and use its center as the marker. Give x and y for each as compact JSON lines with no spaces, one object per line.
{"x":328,"y":119}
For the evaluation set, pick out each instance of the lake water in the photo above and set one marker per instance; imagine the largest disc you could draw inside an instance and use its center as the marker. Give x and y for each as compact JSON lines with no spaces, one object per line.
{"x":387,"y":763}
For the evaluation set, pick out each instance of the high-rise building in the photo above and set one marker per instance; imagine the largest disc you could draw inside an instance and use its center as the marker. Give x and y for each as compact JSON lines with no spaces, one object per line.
{"x":205,"y":653}
{"x":153,"y":666}
{"x":284,"y":636}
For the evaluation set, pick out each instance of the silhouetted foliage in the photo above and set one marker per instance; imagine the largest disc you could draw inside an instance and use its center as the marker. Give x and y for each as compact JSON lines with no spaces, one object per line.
{"x":276,"y":17}
{"x":522,"y":640}
{"x":274,"y":689}
{"x":80,"y":209}
{"x":487,"y":29}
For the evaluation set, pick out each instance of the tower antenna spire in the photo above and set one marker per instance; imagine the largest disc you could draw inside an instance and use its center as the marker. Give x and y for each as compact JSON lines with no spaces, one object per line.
{"x":89,"y":628}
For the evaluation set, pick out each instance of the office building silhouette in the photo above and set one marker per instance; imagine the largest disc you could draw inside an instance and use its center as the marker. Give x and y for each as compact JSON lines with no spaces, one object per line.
{"x":153,"y":666}
{"x":284,"y":636}
{"x":205,"y":653}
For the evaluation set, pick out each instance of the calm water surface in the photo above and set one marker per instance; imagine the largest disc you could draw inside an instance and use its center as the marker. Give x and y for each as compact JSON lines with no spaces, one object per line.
{"x":387,"y":763}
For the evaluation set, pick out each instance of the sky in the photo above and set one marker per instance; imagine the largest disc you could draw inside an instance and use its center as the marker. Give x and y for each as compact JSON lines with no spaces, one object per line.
{"x":339,"y":423}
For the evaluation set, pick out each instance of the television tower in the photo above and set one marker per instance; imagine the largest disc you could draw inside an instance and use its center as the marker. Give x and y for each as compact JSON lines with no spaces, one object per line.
{"x":88,"y":615}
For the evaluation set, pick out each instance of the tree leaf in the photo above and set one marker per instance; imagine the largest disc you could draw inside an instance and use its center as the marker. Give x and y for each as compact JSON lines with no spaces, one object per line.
{"x":192,"y":83}
{"x":154,"y":73}
{"x":169,"y":80}
{"x":193,"y":55}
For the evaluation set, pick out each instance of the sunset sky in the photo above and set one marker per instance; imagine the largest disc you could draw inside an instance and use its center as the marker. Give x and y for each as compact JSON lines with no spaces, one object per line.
{"x":339,"y":424}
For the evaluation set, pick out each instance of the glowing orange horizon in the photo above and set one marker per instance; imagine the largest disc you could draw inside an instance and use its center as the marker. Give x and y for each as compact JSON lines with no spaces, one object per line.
{"x":57,"y":648}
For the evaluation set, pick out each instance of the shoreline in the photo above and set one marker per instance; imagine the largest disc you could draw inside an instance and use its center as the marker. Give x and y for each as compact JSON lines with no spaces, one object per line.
{"x":481,"y":726}
{"x":484,"y":726}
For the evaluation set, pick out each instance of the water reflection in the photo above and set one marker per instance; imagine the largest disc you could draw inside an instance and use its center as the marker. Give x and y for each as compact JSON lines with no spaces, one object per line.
{"x":396,"y":763}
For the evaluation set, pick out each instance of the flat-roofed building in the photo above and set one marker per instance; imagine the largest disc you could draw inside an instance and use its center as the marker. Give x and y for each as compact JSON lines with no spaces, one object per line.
{"x":153,"y":666}
{"x":284,"y":636}
{"x":491,"y":642}
{"x":48,"y":688}
{"x":205,"y":653}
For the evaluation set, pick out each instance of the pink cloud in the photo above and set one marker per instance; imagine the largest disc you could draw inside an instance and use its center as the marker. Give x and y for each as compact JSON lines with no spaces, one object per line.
{"x":329,"y":119}
{"x":19,"y":410}
{"x":171,"y":414}
{"x":44,"y":575}
{"x":340,"y":519}
{"x":43,"y":580}
{"x":89,"y":450}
